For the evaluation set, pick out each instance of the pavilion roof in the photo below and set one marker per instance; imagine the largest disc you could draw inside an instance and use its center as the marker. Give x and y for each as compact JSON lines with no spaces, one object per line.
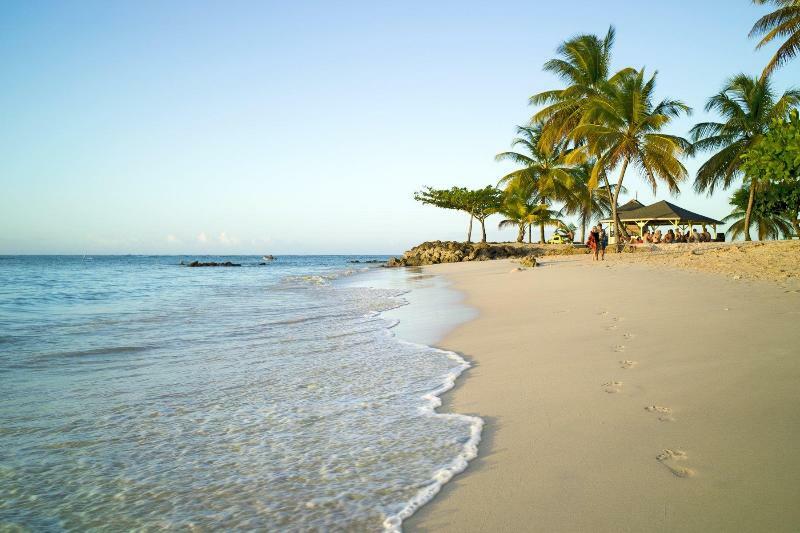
{"x":630,"y":205}
{"x":662,"y":210}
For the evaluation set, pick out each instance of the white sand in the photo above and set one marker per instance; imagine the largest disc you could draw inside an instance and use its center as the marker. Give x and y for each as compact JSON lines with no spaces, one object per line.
{"x":624,"y":397}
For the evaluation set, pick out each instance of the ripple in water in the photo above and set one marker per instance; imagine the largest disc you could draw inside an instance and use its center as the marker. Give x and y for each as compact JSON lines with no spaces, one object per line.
{"x":217,"y":400}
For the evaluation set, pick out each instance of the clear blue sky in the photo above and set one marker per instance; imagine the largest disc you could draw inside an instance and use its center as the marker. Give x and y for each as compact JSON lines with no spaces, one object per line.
{"x":299,"y":127}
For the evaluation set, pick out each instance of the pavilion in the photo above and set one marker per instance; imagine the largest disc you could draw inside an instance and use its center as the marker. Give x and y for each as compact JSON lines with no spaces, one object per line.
{"x":636,"y":215}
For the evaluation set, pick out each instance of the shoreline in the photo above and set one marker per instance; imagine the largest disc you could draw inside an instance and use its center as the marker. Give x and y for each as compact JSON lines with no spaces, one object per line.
{"x":569,"y":443}
{"x":419,"y":321}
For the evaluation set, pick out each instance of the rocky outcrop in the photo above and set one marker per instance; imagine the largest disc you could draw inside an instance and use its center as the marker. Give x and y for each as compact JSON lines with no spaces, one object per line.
{"x":435,"y":252}
{"x":213,"y":264}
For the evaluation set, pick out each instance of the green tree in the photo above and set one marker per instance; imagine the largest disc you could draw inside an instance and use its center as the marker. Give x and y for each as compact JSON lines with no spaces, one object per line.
{"x":586,"y":202}
{"x":584,"y":65}
{"x":544,"y":171}
{"x":522,"y":209}
{"x":478,"y":203}
{"x":747,"y":106}
{"x":775,"y":160}
{"x":783,"y":22}
{"x":623,"y":126}
{"x":770,"y":223}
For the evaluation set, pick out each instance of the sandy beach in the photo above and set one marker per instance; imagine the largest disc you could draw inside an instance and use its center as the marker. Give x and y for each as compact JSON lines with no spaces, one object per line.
{"x":625,"y":396}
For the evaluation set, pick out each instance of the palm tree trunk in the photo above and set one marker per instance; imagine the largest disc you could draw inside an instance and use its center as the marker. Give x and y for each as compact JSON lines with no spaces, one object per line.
{"x":619,"y":230}
{"x":483,"y":229}
{"x":521,"y":232}
{"x":541,"y":232}
{"x":530,"y":233}
{"x":583,"y":227}
{"x":796,"y":224}
{"x":748,"y":214}
{"x":469,"y":231}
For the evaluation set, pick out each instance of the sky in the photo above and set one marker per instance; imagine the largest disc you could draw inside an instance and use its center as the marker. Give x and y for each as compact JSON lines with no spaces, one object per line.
{"x":194,"y":127}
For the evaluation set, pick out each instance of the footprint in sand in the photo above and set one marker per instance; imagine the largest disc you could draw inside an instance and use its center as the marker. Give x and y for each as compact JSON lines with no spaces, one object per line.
{"x":612,"y":387}
{"x":670,"y":458}
{"x":612,"y":327}
{"x":603,"y":313}
{"x":664,"y":413}
{"x":629,"y":336}
{"x":627,"y":363}
{"x":619,"y":348}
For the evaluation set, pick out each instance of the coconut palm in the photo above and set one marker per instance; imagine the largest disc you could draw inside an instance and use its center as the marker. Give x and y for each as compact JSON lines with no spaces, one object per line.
{"x":588,"y":203}
{"x":747,"y":106}
{"x":518,"y":205}
{"x":584,"y":64}
{"x":783,"y":22}
{"x":622,"y":127}
{"x":525,"y":210}
{"x":769,"y":224}
{"x":544,"y":172}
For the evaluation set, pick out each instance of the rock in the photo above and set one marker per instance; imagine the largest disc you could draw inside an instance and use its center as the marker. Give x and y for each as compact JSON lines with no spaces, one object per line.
{"x":528,"y":261}
{"x":213,"y":264}
{"x":434,"y":252}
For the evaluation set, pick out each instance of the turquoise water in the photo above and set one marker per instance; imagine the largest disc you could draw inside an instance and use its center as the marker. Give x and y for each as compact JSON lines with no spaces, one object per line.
{"x":141,"y":394}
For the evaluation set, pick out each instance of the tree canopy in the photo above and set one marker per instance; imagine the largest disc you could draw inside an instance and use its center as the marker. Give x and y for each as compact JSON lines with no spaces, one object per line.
{"x":478,"y":203}
{"x":776,"y":157}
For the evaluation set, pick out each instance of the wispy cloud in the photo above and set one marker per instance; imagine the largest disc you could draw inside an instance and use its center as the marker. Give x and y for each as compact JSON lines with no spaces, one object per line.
{"x":172,"y":239}
{"x":224,"y":238}
{"x":202,"y":237}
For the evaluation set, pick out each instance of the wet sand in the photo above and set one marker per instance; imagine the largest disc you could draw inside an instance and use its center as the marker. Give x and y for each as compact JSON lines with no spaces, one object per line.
{"x":623,"y":396}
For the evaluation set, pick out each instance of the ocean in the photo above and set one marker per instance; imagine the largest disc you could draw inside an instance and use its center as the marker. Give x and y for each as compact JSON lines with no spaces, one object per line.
{"x":137,"y":393}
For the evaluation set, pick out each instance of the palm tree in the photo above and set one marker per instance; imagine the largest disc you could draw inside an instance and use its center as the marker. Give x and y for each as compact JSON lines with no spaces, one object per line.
{"x":622,"y":126}
{"x":769,"y":224}
{"x":525,"y":210}
{"x":747,"y":106}
{"x":518,"y":205}
{"x":588,"y":203}
{"x":544,"y":172}
{"x":584,"y":64}
{"x":783,"y":22}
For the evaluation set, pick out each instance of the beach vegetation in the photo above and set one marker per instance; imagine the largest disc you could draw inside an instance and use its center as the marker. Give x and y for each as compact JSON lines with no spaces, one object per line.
{"x":623,"y":126}
{"x":544,"y":176}
{"x":782,"y":23}
{"x":768,"y":215}
{"x":478,"y":203}
{"x":774,"y":163}
{"x":588,"y":203}
{"x":747,"y":107}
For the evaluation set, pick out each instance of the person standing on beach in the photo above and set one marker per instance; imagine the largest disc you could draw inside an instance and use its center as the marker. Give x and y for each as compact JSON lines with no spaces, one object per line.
{"x":594,"y":241}
{"x":602,"y":241}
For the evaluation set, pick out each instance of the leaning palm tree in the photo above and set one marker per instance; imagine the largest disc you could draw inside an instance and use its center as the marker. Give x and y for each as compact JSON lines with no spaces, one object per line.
{"x":747,"y":106}
{"x":544,"y":172}
{"x":622,"y":127}
{"x":783,"y":22}
{"x":769,"y":224}
{"x":586,"y":202}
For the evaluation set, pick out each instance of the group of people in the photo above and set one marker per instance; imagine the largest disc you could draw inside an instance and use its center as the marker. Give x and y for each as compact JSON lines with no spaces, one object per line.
{"x":671,"y":236}
{"x":598,"y":238}
{"x":598,"y":241}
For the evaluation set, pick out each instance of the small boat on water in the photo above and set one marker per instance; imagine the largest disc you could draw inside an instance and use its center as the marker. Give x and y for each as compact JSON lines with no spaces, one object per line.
{"x":268,"y":258}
